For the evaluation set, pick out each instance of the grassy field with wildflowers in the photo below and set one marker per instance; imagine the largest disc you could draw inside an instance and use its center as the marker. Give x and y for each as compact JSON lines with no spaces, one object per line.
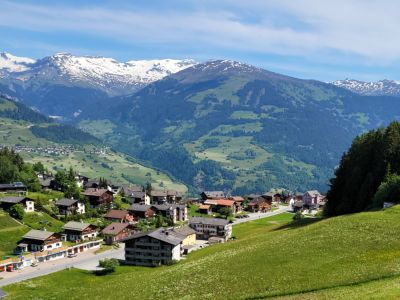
{"x":345,"y":257}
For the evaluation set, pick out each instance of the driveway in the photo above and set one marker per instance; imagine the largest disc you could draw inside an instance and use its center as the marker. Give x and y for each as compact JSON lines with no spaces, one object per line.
{"x":87,"y":261}
{"x":259,"y":215}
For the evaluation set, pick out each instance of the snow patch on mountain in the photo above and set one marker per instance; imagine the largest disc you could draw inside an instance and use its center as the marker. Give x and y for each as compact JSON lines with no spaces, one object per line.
{"x":107,"y":74}
{"x":374,"y":88}
{"x":11,"y":63}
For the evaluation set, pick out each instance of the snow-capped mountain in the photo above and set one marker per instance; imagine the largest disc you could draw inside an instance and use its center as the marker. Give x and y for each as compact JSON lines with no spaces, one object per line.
{"x":378,"y":88}
{"x":108,"y":75}
{"x":10,"y":63}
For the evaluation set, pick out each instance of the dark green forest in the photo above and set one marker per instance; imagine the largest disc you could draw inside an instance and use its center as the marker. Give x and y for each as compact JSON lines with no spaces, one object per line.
{"x":368,"y":174}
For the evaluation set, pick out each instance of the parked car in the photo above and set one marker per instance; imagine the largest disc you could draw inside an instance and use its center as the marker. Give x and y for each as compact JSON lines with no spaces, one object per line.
{"x":34,"y":264}
{"x":71,"y":255}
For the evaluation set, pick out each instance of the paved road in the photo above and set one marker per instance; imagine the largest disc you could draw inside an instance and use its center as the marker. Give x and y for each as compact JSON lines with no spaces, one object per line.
{"x":256,"y":216}
{"x":87,"y":260}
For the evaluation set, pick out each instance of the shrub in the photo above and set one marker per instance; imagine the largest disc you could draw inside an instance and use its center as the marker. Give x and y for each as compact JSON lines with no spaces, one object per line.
{"x":108,"y":265}
{"x":298,"y":216}
{"x":17,"y":211}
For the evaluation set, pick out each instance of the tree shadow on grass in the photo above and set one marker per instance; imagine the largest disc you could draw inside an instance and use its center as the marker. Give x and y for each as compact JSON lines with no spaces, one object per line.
{"x":299,"y":223}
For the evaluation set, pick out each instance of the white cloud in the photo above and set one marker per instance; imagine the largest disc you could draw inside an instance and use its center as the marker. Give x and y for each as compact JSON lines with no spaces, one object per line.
{"x":366,"y":29}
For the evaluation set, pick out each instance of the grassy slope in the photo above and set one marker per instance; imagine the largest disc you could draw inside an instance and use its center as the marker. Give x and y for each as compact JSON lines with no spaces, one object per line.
{"x":10,"y":234}
{"x":17,"y":132}
{"x":266,"y":260}
{"x":41,"y":220}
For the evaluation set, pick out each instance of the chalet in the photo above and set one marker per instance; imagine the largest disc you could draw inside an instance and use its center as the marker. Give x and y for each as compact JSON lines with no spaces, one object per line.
{"x":70,"y":206}
{"x":259,"y":205}
{"x":312,"y":199}
{"x":7,"y":202}
{"x":79,"y":231}
{"x":239,"y":203}
{"x":142,"y":211}
{"x":174,"y":196}
{"x":157,"y":247}
{"x":252,"y":197}
{"x":128,"y":190}
{"x":174,"y":212}
{"x":138,"y":197}
{"x":297,"y":205}
{"x":205,"y":209}
{"x":46,"y":181}
{"x":116,"y":232}
{"x":39,"y":240}
{"x":118,"y":215}
{"x":159,"y":197}
{"x":211,"y":227}
{"x":14,"y":187}
{"x":98,"y":197}
{"x":92,"y":183}
{"x":81,"y":180}
{"x":217,"y":204}
{"x":212,"y":195}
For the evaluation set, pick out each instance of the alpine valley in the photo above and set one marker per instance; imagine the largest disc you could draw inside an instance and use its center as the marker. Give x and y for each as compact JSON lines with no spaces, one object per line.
{"x":214,"y":125}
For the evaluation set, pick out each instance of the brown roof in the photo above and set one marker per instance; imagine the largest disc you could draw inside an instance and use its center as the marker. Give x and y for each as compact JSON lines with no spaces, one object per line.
{"x":237,"y":198}
{"x":224,"y":202}
{"x":114,"y":228}
{"x":116,"y":214}
{"x":95,"y":192}
{"x":204,"y":206}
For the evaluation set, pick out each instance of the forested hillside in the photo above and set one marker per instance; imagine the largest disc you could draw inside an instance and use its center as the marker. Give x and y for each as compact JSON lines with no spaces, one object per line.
{"x":368,"y":173}
{"x":227,"y":125}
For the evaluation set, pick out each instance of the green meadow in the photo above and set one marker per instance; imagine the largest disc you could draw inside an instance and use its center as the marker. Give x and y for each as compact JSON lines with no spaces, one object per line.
{"x":347,"y":257}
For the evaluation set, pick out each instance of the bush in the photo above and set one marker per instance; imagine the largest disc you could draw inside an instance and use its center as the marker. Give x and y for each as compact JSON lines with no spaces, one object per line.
{"x":298,"y":216}
{"x":17,"y":211}
{"x":108,"y":265}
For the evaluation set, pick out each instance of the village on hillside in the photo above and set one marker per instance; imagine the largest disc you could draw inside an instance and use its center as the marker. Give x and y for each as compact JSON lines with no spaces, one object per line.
{"x":156,"y":227}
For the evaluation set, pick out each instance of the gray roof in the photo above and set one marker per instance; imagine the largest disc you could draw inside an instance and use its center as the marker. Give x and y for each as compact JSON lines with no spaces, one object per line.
{"x":2,"y":294}
{"x":167,"y":206}
{"x":46,"y":182}
{"x":136,"y":194}
{"x":170,"y":236}
{"x":12,"y":199}
{"x":313,"y":193}
{"x":40,"y":235}
{"x":214,"y":194}
{"x":184,"y":231}
{"x":12,"y":185}
{"x":208,"y":221}
{"x":66,"y":202}
{"x":159,"y":193}
{"x":139,"y":207}
{"x":77,"y":226}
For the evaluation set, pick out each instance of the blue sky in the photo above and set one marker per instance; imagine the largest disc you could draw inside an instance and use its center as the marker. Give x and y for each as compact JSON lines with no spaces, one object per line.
{"x":318,"y":39}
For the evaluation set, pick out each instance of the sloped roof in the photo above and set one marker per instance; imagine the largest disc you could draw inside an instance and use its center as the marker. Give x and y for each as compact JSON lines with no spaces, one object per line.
{"x":214,"y":194}
{"x":116,"y":214}
{"x":204,"y":206}
{"x":66,"y":202}
{"x":208,"y":221}
{"x":159,"y":193}
{"x":313,"y":193}
{"x":12,"y":199}
{"x":237,"y":198}
{"x":184,"y":231}
{"x":95,"y":192}
{"x":114,"y":228}
{"x":139,"y":207}
{"x":40,"y":235}
{"x":77,"y":226}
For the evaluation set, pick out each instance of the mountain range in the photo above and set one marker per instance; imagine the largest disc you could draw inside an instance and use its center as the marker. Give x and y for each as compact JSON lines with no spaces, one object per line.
{"x":216,"y":125}
{"x":71,"y":84}
{"x":373,"y":88}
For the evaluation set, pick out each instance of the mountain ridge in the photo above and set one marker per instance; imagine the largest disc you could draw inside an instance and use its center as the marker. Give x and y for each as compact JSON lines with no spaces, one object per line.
{"x":383,"y":87}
